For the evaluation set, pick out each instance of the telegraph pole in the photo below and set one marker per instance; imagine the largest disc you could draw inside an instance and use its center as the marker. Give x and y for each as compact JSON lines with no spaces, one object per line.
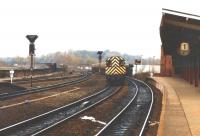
{"x":31,"y":39}
{"x":100,"y":58}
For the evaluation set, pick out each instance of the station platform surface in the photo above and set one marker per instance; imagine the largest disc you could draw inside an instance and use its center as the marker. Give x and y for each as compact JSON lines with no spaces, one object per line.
{"x":180,"y":114}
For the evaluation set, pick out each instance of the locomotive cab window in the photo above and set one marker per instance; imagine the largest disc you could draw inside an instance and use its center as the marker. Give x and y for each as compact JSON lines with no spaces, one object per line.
{"x":122,"y":63}
{"x":108,"y":63}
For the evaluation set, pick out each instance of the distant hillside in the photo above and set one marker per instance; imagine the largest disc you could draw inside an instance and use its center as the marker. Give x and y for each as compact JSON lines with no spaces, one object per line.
{"x":71,"y":58}
{"x":82,"y":57}
{"x":2,"y":63}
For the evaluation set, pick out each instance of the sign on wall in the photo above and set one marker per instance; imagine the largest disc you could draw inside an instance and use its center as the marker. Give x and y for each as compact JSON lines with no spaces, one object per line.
{"x":184,"y":49}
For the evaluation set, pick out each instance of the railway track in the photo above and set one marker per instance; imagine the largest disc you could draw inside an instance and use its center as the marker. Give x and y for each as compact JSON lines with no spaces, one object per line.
{"x":26,"y":78}
{"x":90,"y":122}
{"x":5,"y":96}
{"x":43,"y":79}
{"x":41,"y":123}
{"x":133,"y":118}
{"x":6,"y":87}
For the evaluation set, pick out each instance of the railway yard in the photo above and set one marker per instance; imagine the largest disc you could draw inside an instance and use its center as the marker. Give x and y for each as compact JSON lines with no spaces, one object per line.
{"x":78,"y":104}
{"x":71,"y":88}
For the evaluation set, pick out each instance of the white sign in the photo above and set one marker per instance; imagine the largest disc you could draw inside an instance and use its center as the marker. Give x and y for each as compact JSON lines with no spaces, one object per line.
{"x":184,"y":49}
{"x":11,"y":75}
{"x":12,"y":71}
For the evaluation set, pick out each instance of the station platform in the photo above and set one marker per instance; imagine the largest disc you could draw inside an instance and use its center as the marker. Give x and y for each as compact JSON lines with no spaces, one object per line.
{"x":180,"y":114}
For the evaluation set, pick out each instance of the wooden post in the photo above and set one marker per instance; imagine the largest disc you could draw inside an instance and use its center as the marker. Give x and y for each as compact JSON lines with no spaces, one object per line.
{"x":191,"y":71}
{"x":188,"y":70}
{"x":185,"y":69}
{"x":197,"y":72}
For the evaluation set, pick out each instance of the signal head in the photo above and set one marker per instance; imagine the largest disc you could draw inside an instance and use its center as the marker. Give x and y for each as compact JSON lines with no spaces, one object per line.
{"x":32,"y":38}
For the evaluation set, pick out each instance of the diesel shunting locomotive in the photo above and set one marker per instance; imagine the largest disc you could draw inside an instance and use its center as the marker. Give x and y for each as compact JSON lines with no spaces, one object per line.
{"x":115,"y":69}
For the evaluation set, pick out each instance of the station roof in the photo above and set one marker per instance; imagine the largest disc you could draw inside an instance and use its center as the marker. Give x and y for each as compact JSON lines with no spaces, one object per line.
{"x":177,"y":27}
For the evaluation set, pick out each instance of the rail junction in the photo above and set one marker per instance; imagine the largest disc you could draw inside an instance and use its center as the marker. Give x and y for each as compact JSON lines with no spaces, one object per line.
{"x":108,"y":99}
{"x":131,"y":104}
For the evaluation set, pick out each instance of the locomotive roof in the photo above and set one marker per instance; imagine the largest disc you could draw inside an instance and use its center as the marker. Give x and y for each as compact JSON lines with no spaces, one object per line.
{"x":121,"y":58}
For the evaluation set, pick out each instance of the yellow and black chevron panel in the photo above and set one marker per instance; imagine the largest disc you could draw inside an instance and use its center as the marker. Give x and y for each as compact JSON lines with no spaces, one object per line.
{"x":115,"y":70}
{"x":115,"y":66}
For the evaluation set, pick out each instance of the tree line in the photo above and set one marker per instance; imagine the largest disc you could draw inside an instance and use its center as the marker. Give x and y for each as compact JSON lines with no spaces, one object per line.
{"x":71,"y":57}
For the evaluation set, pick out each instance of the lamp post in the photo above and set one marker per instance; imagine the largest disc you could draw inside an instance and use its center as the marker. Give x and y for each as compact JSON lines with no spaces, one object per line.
{"x":31,"y":39}
{"x":100,"y":58}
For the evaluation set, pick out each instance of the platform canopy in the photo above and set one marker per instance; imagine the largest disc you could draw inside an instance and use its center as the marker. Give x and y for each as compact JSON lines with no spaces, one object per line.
{"x":180,"y":36}
{"x":177,"y":28}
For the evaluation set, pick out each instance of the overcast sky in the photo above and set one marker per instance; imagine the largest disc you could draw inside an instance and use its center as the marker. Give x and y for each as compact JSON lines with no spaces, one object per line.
{"x":127,"y":26}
